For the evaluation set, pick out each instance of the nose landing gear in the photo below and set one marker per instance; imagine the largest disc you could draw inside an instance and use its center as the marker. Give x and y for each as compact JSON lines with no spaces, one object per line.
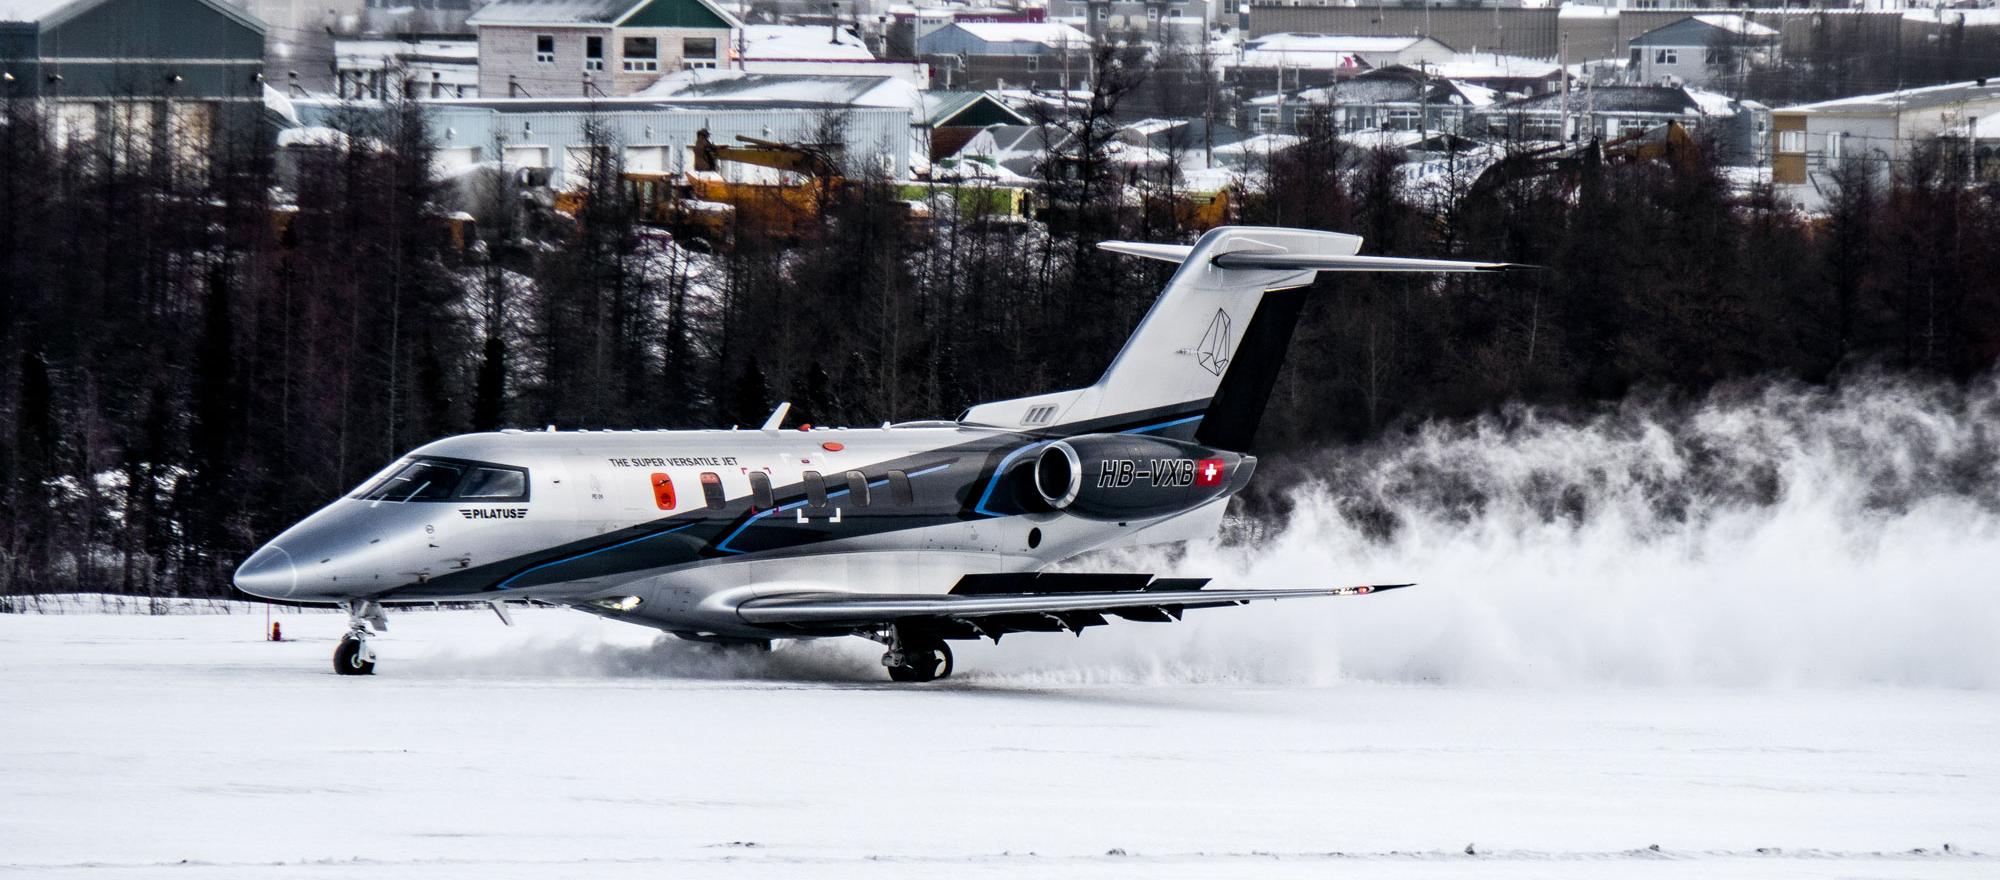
{"x":354,"y":656}
{"x":916,"y":656}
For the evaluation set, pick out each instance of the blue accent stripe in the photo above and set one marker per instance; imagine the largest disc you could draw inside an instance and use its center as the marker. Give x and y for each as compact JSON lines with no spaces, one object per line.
{"x":1151,"y":428}
{"x":999,"y":471}
{"x":503,"y":584}
{"x":723,"y":545}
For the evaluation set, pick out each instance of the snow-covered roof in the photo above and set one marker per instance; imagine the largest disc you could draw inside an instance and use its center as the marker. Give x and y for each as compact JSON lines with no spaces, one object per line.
{"x":1047,"y":33}
{"x":53,"y":12}
{"x":1941,"y":15}
{"x":1644,"y":100}
{"x":785,"y":90}
{"x":1489,"y":65}
{"x":571,"y":12}
{"x":464,"y":49}
{"x":281,"y":104}
{"x":1339,"y":43}
{"x":1905,"y":99}
{"x":765,"y":42}
{"x":31,"y":10}
{"x":1738,"y":25}
{"x":1711,"y":103}
{"x":552,"y":11}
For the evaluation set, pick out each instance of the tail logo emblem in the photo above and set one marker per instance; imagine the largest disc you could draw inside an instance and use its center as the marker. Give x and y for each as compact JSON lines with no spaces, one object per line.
{"x":1213,"y":352}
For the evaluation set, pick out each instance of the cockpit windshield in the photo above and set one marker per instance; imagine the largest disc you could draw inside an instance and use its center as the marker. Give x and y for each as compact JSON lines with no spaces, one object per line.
{"x":445,"y":479}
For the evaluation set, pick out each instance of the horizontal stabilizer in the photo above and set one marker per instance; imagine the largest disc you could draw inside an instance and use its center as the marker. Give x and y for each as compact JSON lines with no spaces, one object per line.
{"x":1172,"y":253}
{"x":1348,"y":263}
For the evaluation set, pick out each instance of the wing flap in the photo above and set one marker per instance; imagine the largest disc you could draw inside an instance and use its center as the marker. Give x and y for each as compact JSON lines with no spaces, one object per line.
{"x":830,"y":608}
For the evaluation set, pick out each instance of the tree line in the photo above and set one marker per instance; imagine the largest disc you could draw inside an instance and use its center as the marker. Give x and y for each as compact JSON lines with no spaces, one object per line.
{"x":199,"y":350}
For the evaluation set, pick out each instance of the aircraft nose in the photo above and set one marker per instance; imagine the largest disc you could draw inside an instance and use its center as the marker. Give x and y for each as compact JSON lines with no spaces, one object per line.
{"x":268,"y":573}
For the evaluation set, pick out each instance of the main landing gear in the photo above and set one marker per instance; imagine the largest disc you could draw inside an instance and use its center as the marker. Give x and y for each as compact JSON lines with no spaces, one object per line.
{"x":915,"y":656}
{"x":354,"y":656}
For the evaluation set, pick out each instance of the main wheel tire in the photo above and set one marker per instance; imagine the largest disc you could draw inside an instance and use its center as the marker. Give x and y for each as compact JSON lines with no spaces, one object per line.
{"x":923,"y":661}
{"x":352,"y":658}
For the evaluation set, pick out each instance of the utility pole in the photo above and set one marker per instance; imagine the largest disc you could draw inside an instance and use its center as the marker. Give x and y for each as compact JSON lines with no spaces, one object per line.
{"x":1562,"y":68}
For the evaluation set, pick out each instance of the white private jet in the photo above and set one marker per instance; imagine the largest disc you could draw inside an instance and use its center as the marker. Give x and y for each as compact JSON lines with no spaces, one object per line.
{"x":912,"y":534}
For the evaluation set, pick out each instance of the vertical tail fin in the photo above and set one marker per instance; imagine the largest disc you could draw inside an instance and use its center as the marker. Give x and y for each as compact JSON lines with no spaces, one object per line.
{"x":1209,"y":349}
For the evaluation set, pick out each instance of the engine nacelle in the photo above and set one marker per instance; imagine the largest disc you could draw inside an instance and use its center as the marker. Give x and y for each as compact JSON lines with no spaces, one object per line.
{"x":1132,"y":476}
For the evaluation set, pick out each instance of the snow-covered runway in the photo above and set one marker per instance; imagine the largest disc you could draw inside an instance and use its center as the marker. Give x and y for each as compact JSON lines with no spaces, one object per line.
{"x":567,"y":746}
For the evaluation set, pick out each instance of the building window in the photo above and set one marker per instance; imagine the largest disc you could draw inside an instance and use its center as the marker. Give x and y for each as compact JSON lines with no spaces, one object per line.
{"x":698,"y":53}
{"x":642,"y":54}
{"x":545,"y":49}
{"x":1714,"y":56}
{"x":1836,"y":145}
{"x":1401,"y":120}
{"x":1034,"y":63}
{"x":1791,"y":142}
{"x":1175,"y":12}
{"x":1103,"y":13}
{"x":1636,"y":52}
{"x":1666,"y":56}
{"x":593,"y":53}
{"x":1152,"y":13}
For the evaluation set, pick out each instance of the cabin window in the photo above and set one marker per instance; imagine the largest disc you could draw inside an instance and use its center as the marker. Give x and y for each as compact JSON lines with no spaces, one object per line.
{"x":642,"y":54}
{"x":663,"y":491}
{"x":494,"y":484}
{"x":760,"y":490}
{"x":711,"y":490}
{"x":593,"y":53}
{"x":815,"y":489}
{"x":857,"y":488}
{"x":900,"y":492}
{"x":545,"y":49}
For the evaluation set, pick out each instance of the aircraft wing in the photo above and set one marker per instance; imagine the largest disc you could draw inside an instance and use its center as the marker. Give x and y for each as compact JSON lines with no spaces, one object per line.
{"x":992,"y":605}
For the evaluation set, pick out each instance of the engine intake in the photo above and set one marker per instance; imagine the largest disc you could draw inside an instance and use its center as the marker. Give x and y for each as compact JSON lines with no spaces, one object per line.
{"x":1130,"y":476}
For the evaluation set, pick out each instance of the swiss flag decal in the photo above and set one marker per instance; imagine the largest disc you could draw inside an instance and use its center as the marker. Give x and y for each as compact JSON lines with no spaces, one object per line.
{"x":1208,"y":472}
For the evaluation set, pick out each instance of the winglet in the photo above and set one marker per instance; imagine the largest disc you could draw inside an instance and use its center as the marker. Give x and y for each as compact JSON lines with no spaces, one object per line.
{"x":777,"y":419}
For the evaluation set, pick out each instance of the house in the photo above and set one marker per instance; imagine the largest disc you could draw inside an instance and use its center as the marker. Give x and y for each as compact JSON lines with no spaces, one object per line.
{"x":1700,"y":50}
{"x":419,"y":67}
{"x":1157,"y":21}
{"x":1502,"y":73}
{"x":1341,"y":51}
{"x":1392,"y":99}
{"x":1021,"y":54}
{"x":1607,"y":112}
{"x":818,"y":50}
{"x":141,"y":74}
{"x":595,"y":48}
{"x":1879,"y":131}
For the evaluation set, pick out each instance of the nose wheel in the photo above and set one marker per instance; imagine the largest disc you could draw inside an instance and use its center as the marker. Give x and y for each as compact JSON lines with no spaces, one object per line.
{"x":354,"y":656}
{"x":916,"y":658}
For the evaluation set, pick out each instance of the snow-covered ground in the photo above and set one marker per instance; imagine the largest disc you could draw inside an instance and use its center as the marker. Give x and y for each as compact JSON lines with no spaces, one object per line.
{"x":184,"y":746}
{"x":1759,"y":630}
